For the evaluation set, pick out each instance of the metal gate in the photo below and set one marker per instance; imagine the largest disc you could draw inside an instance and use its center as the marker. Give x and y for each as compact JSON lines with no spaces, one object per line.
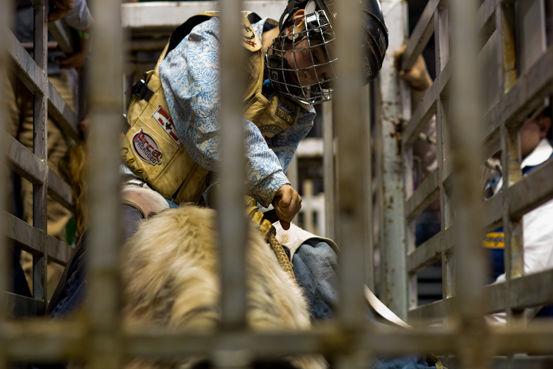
{"x":514,"y":64}
{"x":100,"y":340}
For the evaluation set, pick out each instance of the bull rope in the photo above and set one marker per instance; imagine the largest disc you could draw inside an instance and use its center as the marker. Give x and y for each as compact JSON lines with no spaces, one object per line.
{"x":269,"y":233}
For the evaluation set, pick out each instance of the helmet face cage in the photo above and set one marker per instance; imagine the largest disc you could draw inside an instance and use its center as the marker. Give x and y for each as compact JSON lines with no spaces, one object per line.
{"x":308,"y":80}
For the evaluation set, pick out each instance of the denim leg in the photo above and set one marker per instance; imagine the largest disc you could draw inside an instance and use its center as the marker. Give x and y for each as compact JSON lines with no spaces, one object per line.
{"x":315,"y":265}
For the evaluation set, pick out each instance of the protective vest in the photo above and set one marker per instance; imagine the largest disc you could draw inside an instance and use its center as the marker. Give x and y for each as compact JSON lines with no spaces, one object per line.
{"x":151,"y":147}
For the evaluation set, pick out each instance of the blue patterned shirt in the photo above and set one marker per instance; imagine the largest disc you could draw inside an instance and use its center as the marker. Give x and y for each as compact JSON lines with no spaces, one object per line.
{"x":190,"y":80}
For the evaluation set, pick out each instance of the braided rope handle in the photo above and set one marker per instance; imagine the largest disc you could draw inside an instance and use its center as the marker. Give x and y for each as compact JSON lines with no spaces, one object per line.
{"x":281,"y":255}
{"x":269,"y":233}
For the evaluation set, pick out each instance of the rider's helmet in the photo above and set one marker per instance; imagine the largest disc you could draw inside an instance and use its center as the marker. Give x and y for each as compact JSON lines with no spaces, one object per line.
{"x":301,"y":61}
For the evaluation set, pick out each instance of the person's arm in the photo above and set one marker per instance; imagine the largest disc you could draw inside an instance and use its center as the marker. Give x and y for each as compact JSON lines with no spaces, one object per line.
{"x":190,"y":79}
{"x":417,"y":76}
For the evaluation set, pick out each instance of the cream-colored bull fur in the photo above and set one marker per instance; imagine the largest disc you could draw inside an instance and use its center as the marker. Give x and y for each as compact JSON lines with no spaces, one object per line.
{"x":170,"y":278}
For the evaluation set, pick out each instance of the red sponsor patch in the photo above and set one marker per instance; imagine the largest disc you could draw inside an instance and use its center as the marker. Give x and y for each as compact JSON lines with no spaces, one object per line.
{"x":147,"y":148}
{"x":164,"y":119}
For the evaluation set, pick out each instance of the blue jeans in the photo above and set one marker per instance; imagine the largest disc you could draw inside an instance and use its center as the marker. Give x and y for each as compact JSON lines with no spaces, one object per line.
{"x":315,"y":265}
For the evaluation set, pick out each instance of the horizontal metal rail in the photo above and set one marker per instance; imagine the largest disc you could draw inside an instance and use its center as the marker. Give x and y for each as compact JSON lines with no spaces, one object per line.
{"x":423,"y":196}
{"x":421,"y":35}
{"x":168,"y":15}
{"x":427,"y":107}
{"x":51,"y":340}
{"x":530,"y":88}
{"x":523,"y":292}
{"x":29,"y":73}
{"x":23,"y":306}
{"x":525,"y":195}
{"x":26,"y":164}
{"x":31,"y":239}
{"x":430,"y":251}
{"x":528,"y":193}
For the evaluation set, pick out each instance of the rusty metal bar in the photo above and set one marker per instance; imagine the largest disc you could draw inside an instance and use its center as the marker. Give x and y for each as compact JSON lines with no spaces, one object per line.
{"x":329,"y":172}
{"x":103,"y":303}
{"x":29,"y":73}
{"x":528,"y":92}
{"x":431,"y":250}
{"x":5,"y":21}
{"x":466,"y":118}
{"x":512,"y":227}
{"x":23,"y":305}
{"x":50,"y":340}
{"x":40,"y":144}
{"x":527,"y":291}
{"x":421,"y":35}
{"x":232,"y":225}
{"x":353,"y":174}
{"x":427,"y":106}
{"x":441,"y":42}
{"x":423,"y":196}
{"x":528,"y":193}
{"x":27,"y":165}
{"x":506,"y":56}
{"x":34,"y":240}
{"x":486,"y":11}
{"x":392,"y":228}
{"x":321,"y":339}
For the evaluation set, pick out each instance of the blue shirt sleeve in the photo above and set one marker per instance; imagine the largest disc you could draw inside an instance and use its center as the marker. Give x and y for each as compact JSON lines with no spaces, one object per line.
{"x":190,"y":80}
{"x":285,"y":144}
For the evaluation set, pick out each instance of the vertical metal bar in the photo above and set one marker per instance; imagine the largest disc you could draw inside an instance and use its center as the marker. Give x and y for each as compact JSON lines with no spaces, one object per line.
{"x":466,"y":138}
{"x":329,"y":172}
{"x":504,"y":18}
{"x":512,"y":228}
{"x":292,"y":172}
{"x":392,"y":232}
{"x":5,"y":21}
{"x":40,"y":144}
{"x":353,"y":175}
{"x":307,"y":207}
{"x":441,"y":39}
{"x":231,"y":219}
{"x":103,"y":305}
{"x":367,"y":157}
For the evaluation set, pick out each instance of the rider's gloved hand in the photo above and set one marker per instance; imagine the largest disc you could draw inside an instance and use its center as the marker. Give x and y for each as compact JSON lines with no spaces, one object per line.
{"x":287,"y":203}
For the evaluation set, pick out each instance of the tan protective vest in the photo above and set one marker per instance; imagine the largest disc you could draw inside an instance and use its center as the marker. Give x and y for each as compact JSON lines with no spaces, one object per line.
{"x":151,"y":147}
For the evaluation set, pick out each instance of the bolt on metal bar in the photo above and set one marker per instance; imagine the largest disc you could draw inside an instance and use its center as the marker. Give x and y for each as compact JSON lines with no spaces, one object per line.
{"x":353,"y":174}
{"x":5,"y":21}
{"x":40,"y":144}
{"x":392,"y":232}
{"x":465,"y":133}
{"x":104,"y":293}
{"x":231,"y":218}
